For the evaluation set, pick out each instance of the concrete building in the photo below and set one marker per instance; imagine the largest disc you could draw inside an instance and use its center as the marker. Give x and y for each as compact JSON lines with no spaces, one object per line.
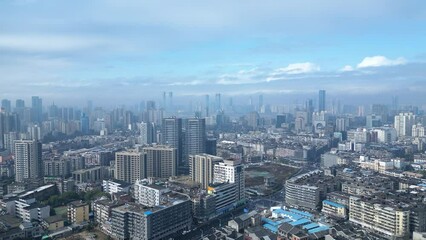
{"x":149,"y":195}
{"x":418,"y":130}
{"x":231,"y":171}
{"x":195,"y":137}
{"x":94,"y":174}
{"x":171,"y":135}
{"x":115,"y":186}
{"x":404,"y":124}
{"x":138,"y":222}
{"x":334,"y":209}
{"x":201,"y":168}
{"x":130,"y":166}
{"x":161,"y":161}
{"x":30,"y":209}
{"x":28,"y":160}
{"x":102,"y":210}
{"x":78,"y":212}
{"x":225,"y":196}
{"x":392,"y":221}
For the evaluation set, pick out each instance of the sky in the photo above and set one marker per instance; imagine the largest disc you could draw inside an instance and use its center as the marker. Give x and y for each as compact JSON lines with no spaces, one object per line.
{"x":123,"y":51}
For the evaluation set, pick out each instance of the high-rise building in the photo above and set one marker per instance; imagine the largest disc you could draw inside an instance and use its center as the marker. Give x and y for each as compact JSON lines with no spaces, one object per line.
{"x":207,"y":105}
{"x":321,"y":100}
{"x":6,"y":105}
{"x":84,"y":124}
{"x":28,"y":160}
{"x":37,"y":109}
{"x":130,"y":166}
{"x":195,"y":137}
{"x":260,"y":106}
{"x":281,"y":118}
{"x":231,"y":171}
{"x":161,"y":161}
{"x":217,"y":102}
{"x":404,"y":124}
{"x":172,"y":136}
{"x":201,"y":168}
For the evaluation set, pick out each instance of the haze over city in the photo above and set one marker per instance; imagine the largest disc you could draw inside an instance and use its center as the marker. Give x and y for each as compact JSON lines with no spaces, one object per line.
{"x":117,"y":53}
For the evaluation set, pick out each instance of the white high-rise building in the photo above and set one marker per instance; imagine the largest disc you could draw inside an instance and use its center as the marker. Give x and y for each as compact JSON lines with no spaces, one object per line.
{"x":231,"y":171}
{"x":143,"y":135}
{"x":201,"y":168}
{"x":418,"y":130}
{"x":404,"y":123}
{"x":28,"y":161}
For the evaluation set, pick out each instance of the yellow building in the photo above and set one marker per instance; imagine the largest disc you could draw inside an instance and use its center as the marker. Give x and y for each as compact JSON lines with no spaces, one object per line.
{"x":53,"y":223}
{"x":78,"y":212}
{"x":334,"y":209}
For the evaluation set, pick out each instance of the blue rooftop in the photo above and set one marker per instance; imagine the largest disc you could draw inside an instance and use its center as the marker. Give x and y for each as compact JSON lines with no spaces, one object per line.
{"x":271,"y":228}
{"x":300,"y":222}
{"x":305,"y":214}
{"x":318,"y":229}
{"x":333,"y":204}
{"x":311,"y":225}
{"x":293,"y":216}
{"x":147,"y":213}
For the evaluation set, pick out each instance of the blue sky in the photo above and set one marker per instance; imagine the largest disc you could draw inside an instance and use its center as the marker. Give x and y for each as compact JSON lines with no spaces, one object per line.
{"x":136,"y":49}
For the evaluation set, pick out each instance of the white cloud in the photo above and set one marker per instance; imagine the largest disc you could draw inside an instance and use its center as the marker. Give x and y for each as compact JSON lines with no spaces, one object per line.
{"x":347,"y":68}
{"x":380,"y":61}
{"x":298,"y":68}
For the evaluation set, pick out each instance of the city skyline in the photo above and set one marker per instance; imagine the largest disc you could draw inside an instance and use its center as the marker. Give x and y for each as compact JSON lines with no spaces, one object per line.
{"x":361,"y":48}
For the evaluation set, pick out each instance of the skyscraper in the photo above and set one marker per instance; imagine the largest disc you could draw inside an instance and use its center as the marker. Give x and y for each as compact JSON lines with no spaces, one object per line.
{"x":130,"y":166}
{"x":195,"y":137}
{"x":28,"y":160}
{"x":84,"y":124}
{"x":6,"y":105}
{"x":217,"y":102}
{"x":201,"y":168}
{"x":37,"y":109}
{"x":172,"y":136}
{"x":207,"y":105}
{"x":321,"y":100}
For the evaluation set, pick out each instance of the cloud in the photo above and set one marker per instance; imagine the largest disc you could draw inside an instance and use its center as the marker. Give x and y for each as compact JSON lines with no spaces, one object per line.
{"x":347,"y":68}
{"x":299,"y":68}
{"x":380,"y":61}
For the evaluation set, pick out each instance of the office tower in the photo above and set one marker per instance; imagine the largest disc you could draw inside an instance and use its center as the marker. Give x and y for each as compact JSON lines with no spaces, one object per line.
{"x":217,"y":102}
{"x":395,"y":106}
{"x":195,"y":137}
{"x":6,"y":105}
{"x":170,"y":104}
{"x":84,"y":124}
{"x":161,"y":161}
{"x":164,"y":103}
{"x":231,"y":171}
{"x":207,"y":105}
{"x":211,"y":147}
{"x":260,"y":106}
{"x":172,"y":136}
{"x":404,"y":123}
{"x":19,"y":103}
{"x":37,"y":109}
{"x":150,"y":105}
{"x":253,"y":120}
{"x":321,"y":100}
{"x":342,"y":124}
{"x":28,"y":160}
{"x":201,"y":168}
{"x":281,"y":118}
{"x":130,"y":166}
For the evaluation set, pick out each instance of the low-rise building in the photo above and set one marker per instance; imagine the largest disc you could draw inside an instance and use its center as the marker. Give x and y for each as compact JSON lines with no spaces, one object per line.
{"x":334,"y":209}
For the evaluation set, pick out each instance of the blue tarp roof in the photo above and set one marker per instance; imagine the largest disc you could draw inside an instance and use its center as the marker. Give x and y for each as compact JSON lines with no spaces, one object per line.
{"x":300,"y":222}
{"x":270,"y":222}
{"x":271,"y":228}
{"x":291,"y":215}
{"x":318,"y":229}
{"x":305,"y":214}
{"x":310,"y":226}
{"x":333,"y":204}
